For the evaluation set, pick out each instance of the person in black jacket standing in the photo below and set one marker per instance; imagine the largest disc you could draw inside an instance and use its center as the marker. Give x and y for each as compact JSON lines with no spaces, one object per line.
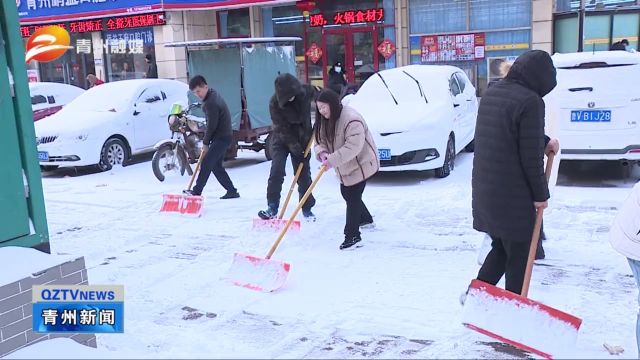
{"x":508,"y":181}
{"x":290,"y":109}
{"x":217,"y":139}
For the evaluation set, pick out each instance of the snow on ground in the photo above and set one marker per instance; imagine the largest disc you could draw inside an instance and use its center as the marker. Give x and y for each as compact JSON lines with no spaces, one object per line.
{"x":396,"y":297}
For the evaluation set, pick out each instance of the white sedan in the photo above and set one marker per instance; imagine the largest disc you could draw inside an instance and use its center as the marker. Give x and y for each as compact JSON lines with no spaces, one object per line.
{"x":421,"y":116}
{"x":109,"y":123}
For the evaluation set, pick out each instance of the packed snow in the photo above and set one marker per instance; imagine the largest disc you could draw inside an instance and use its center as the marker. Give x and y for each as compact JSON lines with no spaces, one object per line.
{"x":30,"y":261}
{"x":395,"y":297}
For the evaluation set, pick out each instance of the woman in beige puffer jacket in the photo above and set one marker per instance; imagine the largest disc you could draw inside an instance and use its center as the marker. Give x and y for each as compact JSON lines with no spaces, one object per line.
{"x":344,"y":142}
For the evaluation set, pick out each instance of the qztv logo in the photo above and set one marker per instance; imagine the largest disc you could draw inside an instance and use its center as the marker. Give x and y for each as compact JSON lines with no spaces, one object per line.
{"x":78,"y":308}
{"x":47,"y":44}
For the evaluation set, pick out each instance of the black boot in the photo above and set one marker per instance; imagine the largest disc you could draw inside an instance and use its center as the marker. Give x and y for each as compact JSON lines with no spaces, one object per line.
{"x":349,"y":241}
{"x":270,"y":213}
{"x":230,"y":195}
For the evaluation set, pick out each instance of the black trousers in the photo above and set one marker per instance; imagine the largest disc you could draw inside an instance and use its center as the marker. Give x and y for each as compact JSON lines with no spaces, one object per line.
{"x":508,"y":258}
{"x":212,"y":163}
{"x":357,"y":211}
{"x":279,"y":153}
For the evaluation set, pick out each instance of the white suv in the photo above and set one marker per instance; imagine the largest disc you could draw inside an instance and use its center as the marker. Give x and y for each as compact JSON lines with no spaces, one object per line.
{"x":597,"y":105}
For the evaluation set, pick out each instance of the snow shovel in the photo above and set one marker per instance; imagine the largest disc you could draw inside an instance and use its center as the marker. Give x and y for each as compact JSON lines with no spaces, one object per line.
{"x":517,"y":320}
{"x":266,"y":274}
{"x":279,"y":223}
{"x":183,"y":203}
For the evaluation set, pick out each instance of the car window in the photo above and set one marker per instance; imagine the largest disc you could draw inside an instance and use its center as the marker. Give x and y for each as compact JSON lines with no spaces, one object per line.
{"x":453,"y":86}
{"x":38,"y":99}
{"x":51,"y":100}
{"x":461,"y":82}
{"x":150,"y":96}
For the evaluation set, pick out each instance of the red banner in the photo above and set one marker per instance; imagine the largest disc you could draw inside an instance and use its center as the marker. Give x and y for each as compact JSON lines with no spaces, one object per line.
{"x":456,"y":47}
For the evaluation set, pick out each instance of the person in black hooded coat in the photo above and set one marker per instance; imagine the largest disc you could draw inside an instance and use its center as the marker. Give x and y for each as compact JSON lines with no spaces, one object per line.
{"x":508,"y":180}
{"x":290,"y":109}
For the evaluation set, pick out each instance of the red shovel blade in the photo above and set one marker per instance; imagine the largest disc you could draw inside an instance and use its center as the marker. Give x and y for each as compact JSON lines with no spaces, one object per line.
{"x":182,"y":204}
{"x":275,"y":225}
{"x":258,"y":273}
{"x":519,"y":321}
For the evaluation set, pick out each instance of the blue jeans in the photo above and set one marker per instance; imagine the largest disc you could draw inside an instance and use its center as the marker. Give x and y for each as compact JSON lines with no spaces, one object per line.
{"x":635,"y":268}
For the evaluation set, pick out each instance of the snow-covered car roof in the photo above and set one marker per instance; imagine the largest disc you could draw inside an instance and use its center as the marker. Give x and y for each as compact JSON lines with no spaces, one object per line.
{"x":116,"y":95}
{"x":34,"y":86}
{"x":570,"y":60}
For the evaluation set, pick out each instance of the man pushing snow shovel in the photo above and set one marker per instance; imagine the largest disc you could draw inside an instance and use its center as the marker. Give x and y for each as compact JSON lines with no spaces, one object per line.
{"x":508,"y":181}
{"x":217,"y":139}
{"x":290,"y":109}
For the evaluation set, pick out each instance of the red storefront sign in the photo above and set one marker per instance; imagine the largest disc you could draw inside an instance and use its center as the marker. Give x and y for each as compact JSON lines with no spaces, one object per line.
{"x":457,"y":47}
{"x":110,"y":23}
{"x":386,"y":48}
{"x":348,"y":17}
{"x":314,"y":53}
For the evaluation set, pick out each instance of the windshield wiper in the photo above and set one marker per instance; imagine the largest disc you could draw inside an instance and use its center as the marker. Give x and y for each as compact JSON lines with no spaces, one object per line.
{"x":581,"y":89}
{"x":385,"y":84}
{"x":419,"y":86}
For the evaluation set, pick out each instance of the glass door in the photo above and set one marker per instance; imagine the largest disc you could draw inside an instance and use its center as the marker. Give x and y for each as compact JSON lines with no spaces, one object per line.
{"x":354,"y":48}
{"x":362,"y":56}
{"x":334,"y":45}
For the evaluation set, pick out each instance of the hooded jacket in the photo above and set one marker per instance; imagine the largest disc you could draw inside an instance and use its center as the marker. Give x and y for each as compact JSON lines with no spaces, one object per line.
{"x":508,"y":166}
{"x":291,"y":119}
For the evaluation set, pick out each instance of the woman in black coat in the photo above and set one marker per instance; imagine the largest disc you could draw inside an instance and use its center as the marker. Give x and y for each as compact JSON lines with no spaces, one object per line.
{"x":508,"y":181}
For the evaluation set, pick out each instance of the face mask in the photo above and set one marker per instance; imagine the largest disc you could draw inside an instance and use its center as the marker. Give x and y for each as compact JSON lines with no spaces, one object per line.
{"x":338,"y":69}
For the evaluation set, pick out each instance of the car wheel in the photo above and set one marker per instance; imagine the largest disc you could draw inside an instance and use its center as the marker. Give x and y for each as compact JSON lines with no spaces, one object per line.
{"x":471,"y":147}
{"x":449,"y":160}
{"x":48,"y":167}
{"x":267,"y":147}
{"x":114,"y":152}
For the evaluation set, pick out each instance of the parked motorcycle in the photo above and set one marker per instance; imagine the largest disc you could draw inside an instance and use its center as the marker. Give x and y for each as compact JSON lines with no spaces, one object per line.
{"x":173,"y":156}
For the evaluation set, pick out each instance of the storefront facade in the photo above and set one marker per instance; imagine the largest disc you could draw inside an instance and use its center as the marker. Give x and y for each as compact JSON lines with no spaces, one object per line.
{"x":364,"y":35}
{"x":604,"y":24}
{"x":112,"y":47}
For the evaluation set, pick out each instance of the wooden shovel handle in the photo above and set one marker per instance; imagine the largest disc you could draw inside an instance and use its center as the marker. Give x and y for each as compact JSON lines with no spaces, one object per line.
{"x":295,"y":180}
{"x":295,"y":212}
{"x":535,"y":238}
{"x":195,"y":172}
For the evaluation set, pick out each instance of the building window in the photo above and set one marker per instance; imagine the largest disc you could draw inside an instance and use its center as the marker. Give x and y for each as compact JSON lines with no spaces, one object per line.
{"x":284,"y":21}
{"x":565,"y":38}
{"x":234,"y":23}
{"x":626,"y":26}
{"x":499,"y":14}
{"x":437,"y":16}
{"x":573,"y":5}
{"x":125,"y":53}
{"x":74,"y":66}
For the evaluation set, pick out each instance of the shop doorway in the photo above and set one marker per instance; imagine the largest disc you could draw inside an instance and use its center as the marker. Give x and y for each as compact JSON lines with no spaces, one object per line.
{"x":354,"y":48}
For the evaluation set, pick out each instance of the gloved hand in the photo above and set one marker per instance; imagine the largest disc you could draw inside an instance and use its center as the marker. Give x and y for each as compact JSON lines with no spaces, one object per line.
{"x":324,"y":159}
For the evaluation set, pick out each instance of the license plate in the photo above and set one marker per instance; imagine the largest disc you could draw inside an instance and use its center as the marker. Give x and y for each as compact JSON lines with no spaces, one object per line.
{"x":385,"y":154}
{"x":591,"y":116}
{"x":43,"y":156}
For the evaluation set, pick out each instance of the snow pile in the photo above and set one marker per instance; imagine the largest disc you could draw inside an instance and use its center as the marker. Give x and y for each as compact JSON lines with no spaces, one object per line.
{"x":60,"y":348}
{"x":524,"y":324}
{"x":29,"y":261}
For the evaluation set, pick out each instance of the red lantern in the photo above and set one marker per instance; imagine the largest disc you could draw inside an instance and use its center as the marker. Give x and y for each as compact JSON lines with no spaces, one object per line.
{"x":305,"y":6}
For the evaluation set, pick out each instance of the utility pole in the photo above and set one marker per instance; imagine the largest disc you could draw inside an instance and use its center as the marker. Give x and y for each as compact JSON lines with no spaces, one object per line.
{"x":581,"y":16}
